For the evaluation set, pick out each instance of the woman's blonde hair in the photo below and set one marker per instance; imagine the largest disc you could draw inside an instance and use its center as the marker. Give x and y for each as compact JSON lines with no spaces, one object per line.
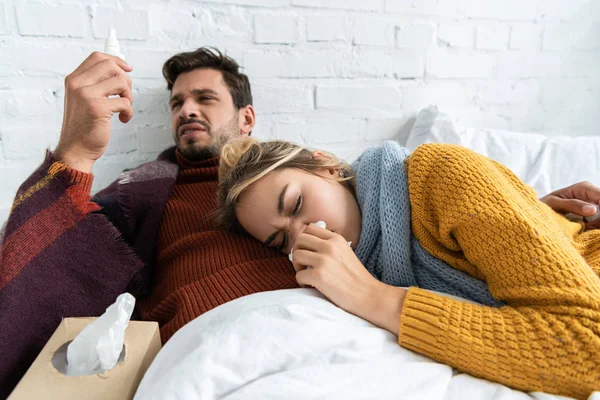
{"x":245,"y":161}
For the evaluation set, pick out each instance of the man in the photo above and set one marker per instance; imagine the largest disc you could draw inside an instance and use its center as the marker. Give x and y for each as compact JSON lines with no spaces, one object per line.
{"x":149,"y":232}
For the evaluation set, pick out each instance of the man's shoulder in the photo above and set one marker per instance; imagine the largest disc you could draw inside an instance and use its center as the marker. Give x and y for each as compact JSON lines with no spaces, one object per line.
{"x":165,"y":166}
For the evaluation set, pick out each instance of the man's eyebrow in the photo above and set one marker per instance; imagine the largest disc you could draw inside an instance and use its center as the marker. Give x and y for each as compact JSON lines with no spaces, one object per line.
{"x":280,"y":210}
{"x":174,"y":98}
{"x":195,"y":92}
{"x":199,"y":92}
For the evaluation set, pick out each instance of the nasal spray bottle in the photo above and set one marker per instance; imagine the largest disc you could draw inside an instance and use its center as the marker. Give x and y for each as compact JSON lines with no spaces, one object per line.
{"x":111,"y":47}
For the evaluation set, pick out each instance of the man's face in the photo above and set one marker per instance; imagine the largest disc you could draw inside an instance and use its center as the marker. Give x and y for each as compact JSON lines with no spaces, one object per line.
{"x":203,"y":115}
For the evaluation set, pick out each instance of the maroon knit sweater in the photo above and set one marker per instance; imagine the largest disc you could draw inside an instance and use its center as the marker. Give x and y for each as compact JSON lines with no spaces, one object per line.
{"x":63,"y":254}
{"x":199,"y":267}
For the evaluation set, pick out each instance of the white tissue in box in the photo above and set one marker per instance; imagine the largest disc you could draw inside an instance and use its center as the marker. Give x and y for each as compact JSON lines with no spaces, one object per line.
{"x":98,"y":347}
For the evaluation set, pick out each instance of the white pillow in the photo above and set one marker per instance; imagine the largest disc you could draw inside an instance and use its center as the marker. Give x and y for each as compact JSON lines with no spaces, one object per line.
{"x":546,"y":163}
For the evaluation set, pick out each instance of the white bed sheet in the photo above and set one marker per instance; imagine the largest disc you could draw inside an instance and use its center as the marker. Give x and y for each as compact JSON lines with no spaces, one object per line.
{"x":295,"y":344}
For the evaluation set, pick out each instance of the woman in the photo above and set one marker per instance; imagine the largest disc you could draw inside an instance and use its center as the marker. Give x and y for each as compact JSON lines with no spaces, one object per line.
{"x":444,"y":219}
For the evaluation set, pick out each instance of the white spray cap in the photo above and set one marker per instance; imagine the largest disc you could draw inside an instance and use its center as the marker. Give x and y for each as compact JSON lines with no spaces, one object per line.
{"x":111,"y":45}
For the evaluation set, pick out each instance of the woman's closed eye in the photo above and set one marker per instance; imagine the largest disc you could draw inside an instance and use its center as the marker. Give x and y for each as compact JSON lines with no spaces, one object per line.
{"x":295,"y":211}
{"x":298,"y":205}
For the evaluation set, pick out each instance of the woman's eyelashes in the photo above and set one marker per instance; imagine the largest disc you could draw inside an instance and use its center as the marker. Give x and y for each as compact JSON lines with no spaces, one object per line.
{"x":298,"y":204}
{"x":283,"y":243}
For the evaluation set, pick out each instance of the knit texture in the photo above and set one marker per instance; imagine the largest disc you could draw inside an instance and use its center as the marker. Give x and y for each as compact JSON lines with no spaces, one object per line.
{"x":477,"y":216}
{"x":199,"y":267}
{"x":387,"y":246}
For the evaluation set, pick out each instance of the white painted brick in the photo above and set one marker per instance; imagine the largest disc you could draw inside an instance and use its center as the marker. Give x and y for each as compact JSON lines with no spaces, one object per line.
{"x":415,"y":36}
{"x":174,"y":28}
{"x":456,"y":35}
{"x":381,"y":129}
{"x":564,"y":90}
{"x":319,"y":130}
{"x":13,"y":176}
{"x":572,"y":37}
{"x":408,"y":64}
{"x":327,"y":28}
{"x":506,"y":92}
{"x":521,"y":85}
{"x":525,"y":36}
{"x":4,"y":212}
{"x":3,"y":28}
{"x":21,"y":143}
{"x":363,"y":5}
{"x":275,"y":29}
{"x":155,"y":138}
{"x":492,"y":37}
{"x":123,"y":137}
{"x":282,"y":97}
{"x":292,"y":64}
{"x":528,"y":65}
{"x":263,"y":130}
{"x":59,"y":59}
{"x":373,"y":32}
{"x":253,"y":3}
{"x":148,"y":63}
{"x":559,"y":10}
{"x":40,"y":19}
{"x":20,"y":108}
{"x":359,"y":97}
{"x":504,"y":10}
{"x":348,"y":153}
{"x":418,"y":95}
{"x":389,"y":63}
{"x":224,"y":24}
{"x":465,"y":65}
{"x":426,"y":7}
{"x":129,"y":23}
{"x":368,"y":63}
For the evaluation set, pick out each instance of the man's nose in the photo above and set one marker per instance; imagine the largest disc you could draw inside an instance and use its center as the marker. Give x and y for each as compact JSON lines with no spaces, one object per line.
{"x":189,"y":110}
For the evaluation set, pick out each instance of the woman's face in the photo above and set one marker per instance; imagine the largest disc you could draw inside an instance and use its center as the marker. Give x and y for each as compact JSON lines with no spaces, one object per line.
{"x":277,"y":208}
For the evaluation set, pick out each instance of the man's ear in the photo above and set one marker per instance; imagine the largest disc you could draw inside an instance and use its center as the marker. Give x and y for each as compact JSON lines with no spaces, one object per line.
{"x":247,"y":119}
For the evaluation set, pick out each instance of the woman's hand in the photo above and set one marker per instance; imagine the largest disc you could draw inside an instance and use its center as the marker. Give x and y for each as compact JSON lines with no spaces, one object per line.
{"x":580,"y":199}
{"x":323,"y":260}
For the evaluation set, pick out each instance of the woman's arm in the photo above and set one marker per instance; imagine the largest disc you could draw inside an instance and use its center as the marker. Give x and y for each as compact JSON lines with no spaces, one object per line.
{"x":476,"y":215}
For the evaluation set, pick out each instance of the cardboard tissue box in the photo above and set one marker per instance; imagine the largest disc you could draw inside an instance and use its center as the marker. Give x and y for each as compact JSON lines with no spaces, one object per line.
{"x":44,"y":381}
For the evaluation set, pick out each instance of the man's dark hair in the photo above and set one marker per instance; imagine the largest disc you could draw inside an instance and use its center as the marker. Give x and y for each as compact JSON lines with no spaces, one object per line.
{"x":209,"y":57}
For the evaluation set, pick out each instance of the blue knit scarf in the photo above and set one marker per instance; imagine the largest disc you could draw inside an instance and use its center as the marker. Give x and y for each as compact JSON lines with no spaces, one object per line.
{"x":387,"y":246}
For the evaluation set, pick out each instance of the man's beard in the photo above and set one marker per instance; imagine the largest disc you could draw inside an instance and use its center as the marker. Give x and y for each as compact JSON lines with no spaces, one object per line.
{"x":218,"y":139}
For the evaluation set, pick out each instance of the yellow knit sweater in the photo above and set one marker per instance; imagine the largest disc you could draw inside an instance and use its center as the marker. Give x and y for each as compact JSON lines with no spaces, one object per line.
{"x":476,"y":215}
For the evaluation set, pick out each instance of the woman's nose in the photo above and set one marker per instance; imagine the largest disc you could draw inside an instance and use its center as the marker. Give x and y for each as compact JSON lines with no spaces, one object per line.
{"x":296,"y":229}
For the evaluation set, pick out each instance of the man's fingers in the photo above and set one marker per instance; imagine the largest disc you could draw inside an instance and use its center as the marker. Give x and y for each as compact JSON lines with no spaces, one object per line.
{"x":98,"y":73}
{"x":117,"y":85}
{"x":95,"y":58}
{"x":577,"y":207}
{"x":122,"y":106}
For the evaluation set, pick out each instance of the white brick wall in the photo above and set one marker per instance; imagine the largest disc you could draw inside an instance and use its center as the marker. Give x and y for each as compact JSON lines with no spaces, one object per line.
{"x":336,"y":74}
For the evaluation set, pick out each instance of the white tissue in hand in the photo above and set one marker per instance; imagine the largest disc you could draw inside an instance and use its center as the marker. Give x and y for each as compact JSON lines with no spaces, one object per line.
{"x":98,"y":346}
{"x":320,"y":224}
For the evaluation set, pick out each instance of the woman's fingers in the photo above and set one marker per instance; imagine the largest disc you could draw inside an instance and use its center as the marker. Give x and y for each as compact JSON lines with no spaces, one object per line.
{"x":304,"y":259}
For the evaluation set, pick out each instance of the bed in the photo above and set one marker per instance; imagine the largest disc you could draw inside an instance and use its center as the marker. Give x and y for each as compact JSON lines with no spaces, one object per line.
{"x":295,"y":344}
